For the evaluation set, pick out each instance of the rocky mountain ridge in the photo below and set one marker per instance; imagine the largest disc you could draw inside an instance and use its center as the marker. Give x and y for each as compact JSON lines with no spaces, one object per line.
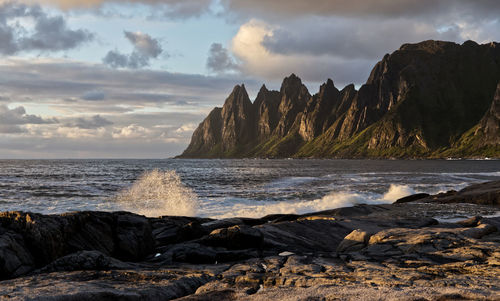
{"x":431,"y":99}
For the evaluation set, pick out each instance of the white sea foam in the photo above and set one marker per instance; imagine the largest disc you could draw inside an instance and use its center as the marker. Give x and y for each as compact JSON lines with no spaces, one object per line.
{"x":234,"y":208}
{"x":157,"y":193}
{"x":396,"y":192}
{"x":260,"y":209}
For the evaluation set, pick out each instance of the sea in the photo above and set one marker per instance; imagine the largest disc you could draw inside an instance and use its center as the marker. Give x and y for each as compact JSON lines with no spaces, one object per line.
{"x":226,"y":188}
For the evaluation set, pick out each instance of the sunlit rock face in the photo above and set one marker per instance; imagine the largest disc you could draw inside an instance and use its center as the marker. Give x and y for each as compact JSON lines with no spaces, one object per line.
{"x":431,"y":99}
{"x":490,"y":124}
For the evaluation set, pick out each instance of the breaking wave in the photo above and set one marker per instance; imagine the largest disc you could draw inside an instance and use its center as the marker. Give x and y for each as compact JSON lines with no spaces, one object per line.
{"x":157,"y":193}
{"x":396,"y":192}
{"x":330,"y":201}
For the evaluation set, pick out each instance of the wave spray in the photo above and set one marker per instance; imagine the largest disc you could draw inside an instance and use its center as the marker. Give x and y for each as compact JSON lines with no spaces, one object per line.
{"x":157,"y":193}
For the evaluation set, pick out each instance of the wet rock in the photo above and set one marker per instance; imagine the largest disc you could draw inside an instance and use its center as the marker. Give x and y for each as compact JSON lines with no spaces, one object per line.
{"x":318,"y":235}
{"x":15,"y":259}
{"x":169,"y":230}
{"x":134,"y":239}
{"x":411,"y":198}
{"x":479,"y":231}
{"x":104,"y":285}
{"x":222,"y":295}
{"x":235,"y":237}
{"x":84,"y":260}
{"x":470,"y":222}
{"x":190,"y":253}
{"x":356,"y":240}
{"x":482,"y":194}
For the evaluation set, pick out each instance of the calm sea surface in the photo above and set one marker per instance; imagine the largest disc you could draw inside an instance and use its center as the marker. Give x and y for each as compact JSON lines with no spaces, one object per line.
{"x":223,"y":188}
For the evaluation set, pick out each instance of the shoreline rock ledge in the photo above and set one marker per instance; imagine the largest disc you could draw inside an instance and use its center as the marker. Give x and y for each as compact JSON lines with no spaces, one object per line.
{"x":442,"y":247}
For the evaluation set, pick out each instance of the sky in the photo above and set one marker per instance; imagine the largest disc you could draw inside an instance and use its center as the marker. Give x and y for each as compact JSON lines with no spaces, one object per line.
{"x":133,"y":78}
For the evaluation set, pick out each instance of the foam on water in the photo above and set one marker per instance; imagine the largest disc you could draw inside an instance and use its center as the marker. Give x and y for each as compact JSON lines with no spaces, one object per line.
{"x":238,"y":208}
{"x":223,"y":188}
{"x":158,"y":193}
{"x":396,"y":192}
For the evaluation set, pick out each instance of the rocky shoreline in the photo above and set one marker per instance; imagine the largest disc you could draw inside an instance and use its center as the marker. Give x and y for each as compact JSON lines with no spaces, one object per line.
{"x":441,"y":247}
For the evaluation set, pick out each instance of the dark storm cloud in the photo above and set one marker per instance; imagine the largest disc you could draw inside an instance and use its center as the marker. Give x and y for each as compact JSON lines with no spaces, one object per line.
{"x":384,"y":8}
{"x":219,"y":59}
{"x":49,"y":33}
{"x":145,"y":49}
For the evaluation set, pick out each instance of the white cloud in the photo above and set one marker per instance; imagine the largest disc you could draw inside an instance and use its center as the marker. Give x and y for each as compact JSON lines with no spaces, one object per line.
{"x":186,"y":128}
{"x":132,"y":131}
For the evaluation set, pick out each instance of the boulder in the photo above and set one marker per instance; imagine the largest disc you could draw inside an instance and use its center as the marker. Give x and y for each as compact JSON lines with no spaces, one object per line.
{"x":134,"y":238}
{"x":356,"y":240}
{"x":411,"y":198}
{"x":15,"y":259}
{"x":235,"y":237}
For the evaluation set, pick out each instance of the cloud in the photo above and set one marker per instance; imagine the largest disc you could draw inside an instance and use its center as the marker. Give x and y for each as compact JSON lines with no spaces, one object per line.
{"x":170,"y":8}
{"x":343,"y":39}
{"x":144,"y":44}
{"x":147,"y":113}
{"x":145,"y":49}
{"x":94,"y":95}
{"x":350,"y":38}
{"x":62,"y":82}
{"x":18,"y":116}
{"x":257,"y":60}
{"x":132,"y":131}
{"x":94,"y":122}
{"x":49,"y":33}
{"x":186,"y":128}
{"x":345,"y":49}
{"x":12,"y":120}
{"x":10,"y":129}
{"x":356,"y":8}
{"x":219,"y":60}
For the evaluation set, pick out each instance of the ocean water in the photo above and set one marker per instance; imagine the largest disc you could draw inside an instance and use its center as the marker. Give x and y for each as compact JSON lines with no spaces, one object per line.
{"x":226,"y":188}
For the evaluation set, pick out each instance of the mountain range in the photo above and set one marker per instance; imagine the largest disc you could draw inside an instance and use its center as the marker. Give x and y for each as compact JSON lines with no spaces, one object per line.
{"x":432,"y":99}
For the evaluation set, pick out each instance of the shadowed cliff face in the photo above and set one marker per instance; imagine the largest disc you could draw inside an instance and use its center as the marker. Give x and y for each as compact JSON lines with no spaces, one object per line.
{"x":430,"y":99}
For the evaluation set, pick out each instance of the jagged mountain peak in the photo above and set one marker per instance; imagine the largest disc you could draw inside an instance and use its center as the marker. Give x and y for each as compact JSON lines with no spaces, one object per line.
{"x":239,"y":90}
{"x":327,"y":86}
{"x":292,"y":85}
{"x":239,"y":96}
{"x":420,"y":101}
{"x":431,"y":46}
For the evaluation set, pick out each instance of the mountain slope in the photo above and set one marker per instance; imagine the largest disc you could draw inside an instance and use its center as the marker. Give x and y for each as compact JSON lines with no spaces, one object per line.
{"x":430,"y":99}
